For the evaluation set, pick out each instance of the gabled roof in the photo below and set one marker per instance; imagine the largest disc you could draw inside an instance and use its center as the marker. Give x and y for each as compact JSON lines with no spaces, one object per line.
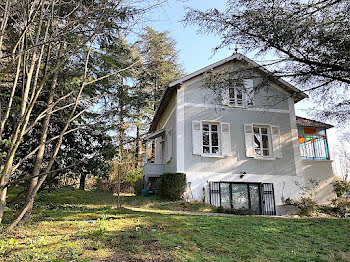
{"x":304,"y":122}
{"x":296,"y":94}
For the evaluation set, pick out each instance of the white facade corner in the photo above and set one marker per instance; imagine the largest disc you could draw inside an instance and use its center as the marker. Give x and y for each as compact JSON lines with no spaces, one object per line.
{"x":180,"y":130}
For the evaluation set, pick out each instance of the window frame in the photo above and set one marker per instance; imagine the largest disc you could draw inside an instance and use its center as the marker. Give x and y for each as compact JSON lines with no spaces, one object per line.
{"x":169,"y":138}
{"x":237,"y":84}
{"x":235,"y":91}
{"x":269,"y":141}
{"x":218,"y":131}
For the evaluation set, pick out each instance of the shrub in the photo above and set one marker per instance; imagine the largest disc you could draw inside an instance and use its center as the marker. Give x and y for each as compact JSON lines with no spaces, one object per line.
{"x":138,"y":186}
{"x":307,"y":206}
{"x":171,"y":186}
{"x":307,"y":203}
{"x":102,"y":184}
{"x":240,"y":211}
{"x":341,"y":186}
{"x":338,"y":207}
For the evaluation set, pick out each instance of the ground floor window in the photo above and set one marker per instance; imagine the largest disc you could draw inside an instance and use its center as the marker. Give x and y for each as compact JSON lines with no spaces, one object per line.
{"x":256,"y":197}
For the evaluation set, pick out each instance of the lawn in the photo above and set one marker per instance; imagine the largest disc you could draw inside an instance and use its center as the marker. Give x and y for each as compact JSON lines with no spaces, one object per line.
{"x":89,"y":228}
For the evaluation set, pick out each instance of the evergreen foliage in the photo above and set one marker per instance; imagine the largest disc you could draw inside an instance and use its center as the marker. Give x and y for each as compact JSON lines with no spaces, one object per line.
{"x":171,"y":186}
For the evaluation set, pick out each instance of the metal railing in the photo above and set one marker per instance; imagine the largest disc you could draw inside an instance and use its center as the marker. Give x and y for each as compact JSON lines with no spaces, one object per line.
{"x":313,"y":147}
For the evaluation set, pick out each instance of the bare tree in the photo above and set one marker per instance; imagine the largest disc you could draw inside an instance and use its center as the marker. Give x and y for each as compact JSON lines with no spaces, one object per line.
{"x":40,"y":37}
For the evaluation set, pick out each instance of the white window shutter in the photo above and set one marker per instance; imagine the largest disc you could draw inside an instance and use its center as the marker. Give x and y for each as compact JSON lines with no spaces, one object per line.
{"x":276,"y":141}
{"x":225,"y":96}
{"x":169,"y":138}
{"x":225,"y":139}
{"x":158,"y":151}
{"x":197,"y":137}
{"x":249,"y":136}
{"x":249,"y":92}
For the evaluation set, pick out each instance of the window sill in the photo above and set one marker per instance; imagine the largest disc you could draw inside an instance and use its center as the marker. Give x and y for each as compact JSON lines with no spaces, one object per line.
{"x":316,"y":160}
{"x":213,"y":156}
{"x":264,"y":158}
{"x":241,"y":107}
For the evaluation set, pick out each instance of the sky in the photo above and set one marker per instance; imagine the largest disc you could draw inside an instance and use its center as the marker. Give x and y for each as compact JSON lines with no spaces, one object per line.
{"x":196,"y":49}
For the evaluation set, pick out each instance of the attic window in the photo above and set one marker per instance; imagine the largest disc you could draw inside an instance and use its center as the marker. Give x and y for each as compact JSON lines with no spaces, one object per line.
{"x":236,"y":96}
{"x":239,"y":93}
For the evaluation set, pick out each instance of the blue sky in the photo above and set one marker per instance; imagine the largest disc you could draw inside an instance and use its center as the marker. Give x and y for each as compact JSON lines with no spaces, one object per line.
{"x":196,"y":50}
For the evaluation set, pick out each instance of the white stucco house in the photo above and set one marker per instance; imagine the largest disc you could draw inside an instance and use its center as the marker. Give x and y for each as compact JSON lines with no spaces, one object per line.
{"x":241,"y":146}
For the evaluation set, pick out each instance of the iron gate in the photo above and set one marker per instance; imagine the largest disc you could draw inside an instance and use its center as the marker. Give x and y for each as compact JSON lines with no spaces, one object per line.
{"x":266,"y":194}
{"x":268,"y":199}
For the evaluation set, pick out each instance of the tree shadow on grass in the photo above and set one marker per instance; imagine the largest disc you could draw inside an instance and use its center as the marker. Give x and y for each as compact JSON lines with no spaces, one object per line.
{"x":97,"y":234}
{"x":108,"y":234}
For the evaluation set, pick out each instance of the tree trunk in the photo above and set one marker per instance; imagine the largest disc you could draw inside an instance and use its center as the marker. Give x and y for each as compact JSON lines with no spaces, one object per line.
{"x":41,"y":151}
{"x":121,"y":141}
{"x":3,"y":194}
{"x":16,"y":139}
{"x":82,"y":181}
{"x":137,"y":145}
{"x":32,"y":195}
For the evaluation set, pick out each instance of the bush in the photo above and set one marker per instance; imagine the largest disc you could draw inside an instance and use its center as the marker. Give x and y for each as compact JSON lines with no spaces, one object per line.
{"x":240,"y":211}
{"x":307,"y":206}
{"x":138,"y":186}
{"x":102,"y":184}
{"x":341,"y":186}
{"x":338,"y":207}
{"x":171,"y":186}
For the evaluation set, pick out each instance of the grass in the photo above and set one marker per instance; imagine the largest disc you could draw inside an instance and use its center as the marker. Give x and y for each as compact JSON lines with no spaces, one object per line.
{"x":90,"y":228}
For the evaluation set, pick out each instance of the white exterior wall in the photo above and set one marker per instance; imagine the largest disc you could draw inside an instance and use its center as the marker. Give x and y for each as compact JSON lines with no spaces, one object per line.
{"x":167,"y":121}
{"x":199,"y":105}
{"x":320,"y":170}
{"x":273,"y":106}
{"x":284,"y":185}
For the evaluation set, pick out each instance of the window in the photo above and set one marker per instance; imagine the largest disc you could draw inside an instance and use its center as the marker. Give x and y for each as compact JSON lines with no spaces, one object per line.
{"x":239,"y":93}
{"x":261,"y":141}
{"x":210,"y":138}
{"x":259,"y":198}
{"x":169,"y":139}
{"x":236,"y":96}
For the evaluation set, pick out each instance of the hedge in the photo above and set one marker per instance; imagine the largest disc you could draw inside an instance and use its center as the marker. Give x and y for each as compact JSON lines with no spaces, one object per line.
{"x":172,"y":186}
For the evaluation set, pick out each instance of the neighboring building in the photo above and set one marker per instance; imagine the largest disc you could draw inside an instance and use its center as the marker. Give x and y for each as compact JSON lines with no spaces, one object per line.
{"x":245,"y":149}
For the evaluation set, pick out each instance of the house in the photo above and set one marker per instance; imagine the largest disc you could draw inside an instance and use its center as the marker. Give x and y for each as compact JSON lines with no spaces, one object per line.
{"x":237,"y":138}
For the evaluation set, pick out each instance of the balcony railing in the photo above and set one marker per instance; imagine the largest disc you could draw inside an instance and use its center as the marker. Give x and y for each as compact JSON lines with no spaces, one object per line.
{"x":153,"y":170}
{"x":313,"y":147}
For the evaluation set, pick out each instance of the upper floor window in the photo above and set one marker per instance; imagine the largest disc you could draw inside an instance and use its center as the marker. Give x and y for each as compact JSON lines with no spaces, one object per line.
{"x":262,"y":141}
{"x":239,"y":93}
{"x":236,"y":96}
{"x":169,"y":143}
{"x":210,"y":138}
